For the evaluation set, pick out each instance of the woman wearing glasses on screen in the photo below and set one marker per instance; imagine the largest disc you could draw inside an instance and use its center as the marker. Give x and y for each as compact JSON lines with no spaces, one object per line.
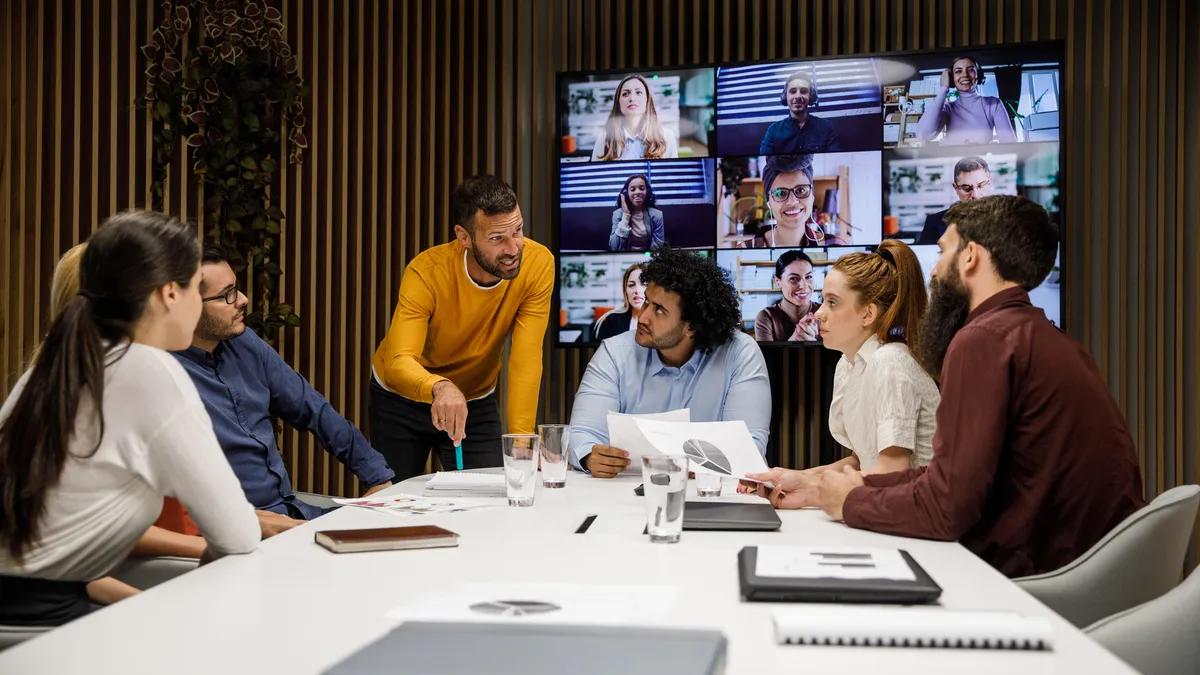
{"x":969,"y":118}
{"x":788,"y":181}
{"x":616,"y":322}
{"x":884,"y":403}
{"x":793,"y":317}
{"x":633,"y":130}
{"x":636,"y":224}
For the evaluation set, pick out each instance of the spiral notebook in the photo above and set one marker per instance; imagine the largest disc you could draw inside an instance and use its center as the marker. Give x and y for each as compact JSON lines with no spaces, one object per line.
{"x":933,"y":627}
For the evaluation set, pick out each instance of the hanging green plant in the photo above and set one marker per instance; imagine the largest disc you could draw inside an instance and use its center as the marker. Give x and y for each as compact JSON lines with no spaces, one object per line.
{"x":228,"y":98}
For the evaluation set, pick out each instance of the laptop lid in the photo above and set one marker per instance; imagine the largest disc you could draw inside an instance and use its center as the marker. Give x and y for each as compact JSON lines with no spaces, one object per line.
{"x":730,"y":516}
{"x":537,"y":649}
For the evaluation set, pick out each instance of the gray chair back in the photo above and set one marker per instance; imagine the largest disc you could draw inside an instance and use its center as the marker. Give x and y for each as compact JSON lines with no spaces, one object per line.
{"x":1139,"y":560}
{"x":1160,"y":637}
{"x":146,"y":573}
{"x":11,"y":636}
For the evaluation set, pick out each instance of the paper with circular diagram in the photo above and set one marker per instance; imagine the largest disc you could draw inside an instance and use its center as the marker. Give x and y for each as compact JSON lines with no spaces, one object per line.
{"x":720,"y":448}
{"x":541,"y":603}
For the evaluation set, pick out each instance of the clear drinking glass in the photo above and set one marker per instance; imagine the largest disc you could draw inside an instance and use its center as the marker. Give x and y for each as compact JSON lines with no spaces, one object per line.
{"x":555,"y":451}
{"x":708,"y":484}
{"x":520,"y":467}
{"x":664,"y":480}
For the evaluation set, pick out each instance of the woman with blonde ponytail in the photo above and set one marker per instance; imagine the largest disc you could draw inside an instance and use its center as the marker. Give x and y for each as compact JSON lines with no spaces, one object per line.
{"x":884,"y":403}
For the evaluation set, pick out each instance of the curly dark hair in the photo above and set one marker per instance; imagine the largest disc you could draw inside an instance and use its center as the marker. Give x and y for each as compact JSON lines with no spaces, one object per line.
{"x":708,"y":301}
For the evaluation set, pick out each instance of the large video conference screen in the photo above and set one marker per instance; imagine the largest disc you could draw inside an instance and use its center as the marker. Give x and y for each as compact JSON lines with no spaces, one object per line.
{"x":777,"y":169}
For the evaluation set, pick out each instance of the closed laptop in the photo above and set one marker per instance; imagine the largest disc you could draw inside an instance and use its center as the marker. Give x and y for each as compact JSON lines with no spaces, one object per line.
{"x":427,"y":648}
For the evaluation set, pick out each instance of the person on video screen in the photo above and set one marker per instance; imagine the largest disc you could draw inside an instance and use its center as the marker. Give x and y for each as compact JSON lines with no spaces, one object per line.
{"x":636,"y":224}
{"x":800,"y":131}
{"x":972,"y":180}
{"x":971,"y":117}
{"x":633,"y":130}
{"x":616,"y":322}
{"x":788,"y":181}
{"x":793,"y":317}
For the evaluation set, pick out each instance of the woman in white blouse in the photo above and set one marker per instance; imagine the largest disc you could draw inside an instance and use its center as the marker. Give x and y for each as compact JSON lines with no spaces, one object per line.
{"x":884,"y":404}
{"x":106,"y":423}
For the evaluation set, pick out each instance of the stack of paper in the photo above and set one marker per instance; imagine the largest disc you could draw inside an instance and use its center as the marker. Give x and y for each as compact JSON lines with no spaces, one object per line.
{"x":465,"y":484}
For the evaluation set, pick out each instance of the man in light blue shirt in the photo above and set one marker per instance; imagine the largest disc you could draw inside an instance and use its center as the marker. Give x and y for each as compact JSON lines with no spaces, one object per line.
{"x":687,"y":352}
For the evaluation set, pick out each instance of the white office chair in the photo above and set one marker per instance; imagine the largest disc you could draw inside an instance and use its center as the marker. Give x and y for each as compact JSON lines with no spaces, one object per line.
{"x":1159,"y":637}
{"x":1137,"y":561}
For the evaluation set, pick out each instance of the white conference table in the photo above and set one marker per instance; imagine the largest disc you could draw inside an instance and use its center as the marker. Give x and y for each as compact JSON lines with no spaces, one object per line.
{"x":293,"y":607}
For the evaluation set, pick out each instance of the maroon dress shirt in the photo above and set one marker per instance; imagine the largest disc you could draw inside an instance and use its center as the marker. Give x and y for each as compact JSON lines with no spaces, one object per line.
{"x":1032,"y":460}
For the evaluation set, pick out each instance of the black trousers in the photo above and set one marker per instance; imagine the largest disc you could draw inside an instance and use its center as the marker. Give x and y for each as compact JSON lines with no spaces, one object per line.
{"x":402,"y":431}
{"x":42,"y":602}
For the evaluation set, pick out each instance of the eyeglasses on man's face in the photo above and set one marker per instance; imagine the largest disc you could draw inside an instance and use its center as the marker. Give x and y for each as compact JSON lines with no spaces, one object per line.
{"x":781,"y":194}
{"x":230,"y":296}
{"x":967,"y":188}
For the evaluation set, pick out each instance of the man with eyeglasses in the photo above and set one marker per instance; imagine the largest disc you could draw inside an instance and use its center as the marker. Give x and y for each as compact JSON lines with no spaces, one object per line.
{"x":244,"y":383}
{"x":972,"y":180}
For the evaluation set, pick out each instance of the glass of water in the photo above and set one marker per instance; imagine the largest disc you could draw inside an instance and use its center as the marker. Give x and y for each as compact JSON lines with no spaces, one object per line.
{"x":664,"y":480}
{"x":708,"y":484}
{"x":555,"y":448}
{"x":520,"y":467}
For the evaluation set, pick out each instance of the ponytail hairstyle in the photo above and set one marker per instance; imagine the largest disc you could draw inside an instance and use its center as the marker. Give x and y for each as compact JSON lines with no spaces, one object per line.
{"x":892,"y":280}
{"x":129,"y":257}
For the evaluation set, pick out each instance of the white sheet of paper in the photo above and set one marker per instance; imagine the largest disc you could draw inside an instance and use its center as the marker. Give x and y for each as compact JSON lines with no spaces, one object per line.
{"x":413,"y":505}
{"x":541,"y":603}
{"x":623,"y":433}
{"x":719,"y":448}
{"x":832,"y":562}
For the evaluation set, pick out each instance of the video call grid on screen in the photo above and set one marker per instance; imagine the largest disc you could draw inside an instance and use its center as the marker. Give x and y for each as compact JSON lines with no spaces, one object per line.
{"x":881,"y":167}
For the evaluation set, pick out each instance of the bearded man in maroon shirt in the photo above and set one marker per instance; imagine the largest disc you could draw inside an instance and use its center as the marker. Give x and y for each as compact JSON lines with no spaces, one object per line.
{"x":1032,"y":460}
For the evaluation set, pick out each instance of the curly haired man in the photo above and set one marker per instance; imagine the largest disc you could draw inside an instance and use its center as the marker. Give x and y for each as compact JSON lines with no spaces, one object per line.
{"x":687,"y":352}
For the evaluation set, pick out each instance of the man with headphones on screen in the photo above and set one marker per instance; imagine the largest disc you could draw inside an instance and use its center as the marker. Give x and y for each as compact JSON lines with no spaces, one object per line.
{"x":799,"y":132}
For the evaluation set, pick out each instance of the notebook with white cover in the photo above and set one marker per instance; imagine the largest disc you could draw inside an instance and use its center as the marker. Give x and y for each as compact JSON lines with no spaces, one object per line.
{"x":936,"y":627}
{"x":465,"y":484}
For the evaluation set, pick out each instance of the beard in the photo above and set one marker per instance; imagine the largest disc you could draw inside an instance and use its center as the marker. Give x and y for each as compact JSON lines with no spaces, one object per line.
{"x":663,"y":341}
{"x":495,"y":267}
{"x":211,"y":328}
{"x":949,"y":305}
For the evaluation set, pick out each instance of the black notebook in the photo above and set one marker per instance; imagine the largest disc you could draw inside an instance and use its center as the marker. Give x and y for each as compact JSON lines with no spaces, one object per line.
{"x":834,"y":574}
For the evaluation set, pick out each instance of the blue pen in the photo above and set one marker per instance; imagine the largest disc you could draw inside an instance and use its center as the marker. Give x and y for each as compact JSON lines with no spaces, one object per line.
{"x":458,"y":455}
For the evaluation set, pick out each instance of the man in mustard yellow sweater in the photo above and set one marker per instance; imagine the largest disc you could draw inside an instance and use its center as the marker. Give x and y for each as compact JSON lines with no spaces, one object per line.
{"x":434,"y":376}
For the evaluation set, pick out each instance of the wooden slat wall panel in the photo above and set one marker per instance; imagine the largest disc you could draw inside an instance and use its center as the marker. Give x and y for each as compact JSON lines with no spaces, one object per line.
{"x":410,"y":97}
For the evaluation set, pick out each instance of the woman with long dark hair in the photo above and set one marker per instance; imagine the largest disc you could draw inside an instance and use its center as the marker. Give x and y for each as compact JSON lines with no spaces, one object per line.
{"x":633,"y":130}
{"x":106,"y":423}
{"x":636,"y":224}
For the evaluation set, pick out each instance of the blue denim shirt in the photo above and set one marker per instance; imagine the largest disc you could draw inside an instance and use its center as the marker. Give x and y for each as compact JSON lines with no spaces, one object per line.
{"x":243,"y":383}
{"x":785,"y":137}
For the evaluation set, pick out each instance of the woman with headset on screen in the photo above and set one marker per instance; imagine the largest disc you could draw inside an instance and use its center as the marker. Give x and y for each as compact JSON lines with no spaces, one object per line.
{"x":793,"y":318}
{"x":884,"y":403}
{"x":633,"y":130}
{"x":971,"y":117}
{"x":636,"y":224}
{"x":633,"y":290}
{"x":788,"y":181}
